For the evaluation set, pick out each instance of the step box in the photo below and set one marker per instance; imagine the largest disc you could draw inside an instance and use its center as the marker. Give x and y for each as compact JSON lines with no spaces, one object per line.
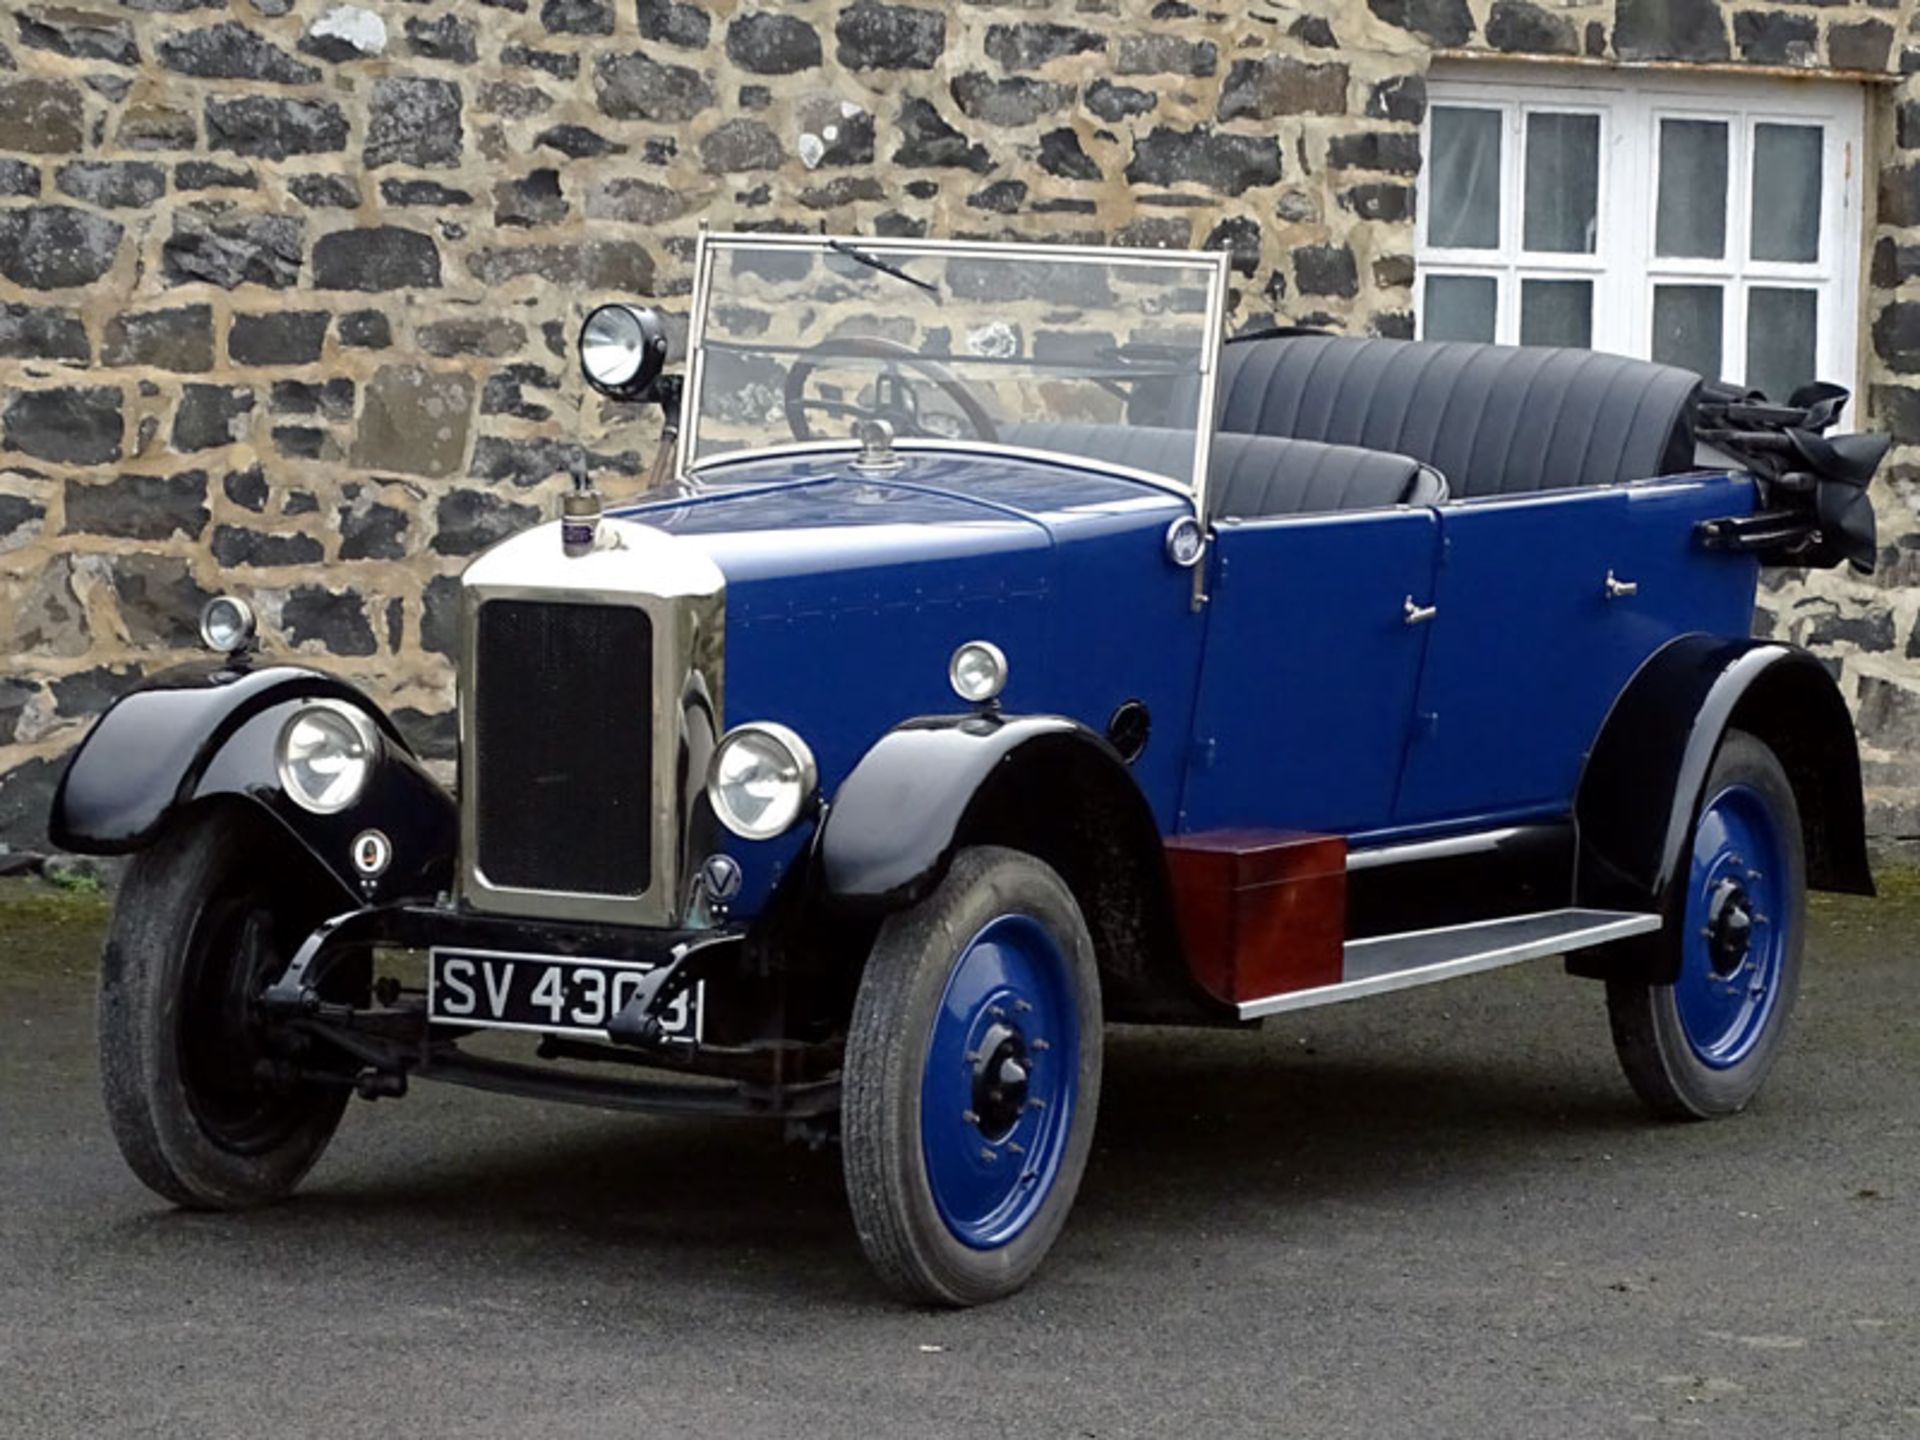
{"x":1260,"y":911}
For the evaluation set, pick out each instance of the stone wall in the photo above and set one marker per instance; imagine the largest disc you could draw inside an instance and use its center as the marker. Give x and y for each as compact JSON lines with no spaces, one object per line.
{"x":287,"y":287}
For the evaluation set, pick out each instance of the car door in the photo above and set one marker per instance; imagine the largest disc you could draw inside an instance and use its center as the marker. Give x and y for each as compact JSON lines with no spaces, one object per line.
{"x":1546,"y":605}
{"x":1310,"y":670}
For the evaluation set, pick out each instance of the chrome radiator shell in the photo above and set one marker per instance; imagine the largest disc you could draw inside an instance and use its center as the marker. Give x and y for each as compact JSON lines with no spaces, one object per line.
{"x":683,"y":595}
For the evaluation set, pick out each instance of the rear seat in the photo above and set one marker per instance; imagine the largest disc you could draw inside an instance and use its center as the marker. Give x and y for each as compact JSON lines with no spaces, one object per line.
{"x":1494,"y":419}
{"x":1250,"y":475}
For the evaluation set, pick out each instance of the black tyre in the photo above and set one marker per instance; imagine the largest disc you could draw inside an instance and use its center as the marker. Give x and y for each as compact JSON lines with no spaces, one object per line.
{"x":1701,"y":1047}
{"x":205,"y":919}
{"x":972,"y":1080}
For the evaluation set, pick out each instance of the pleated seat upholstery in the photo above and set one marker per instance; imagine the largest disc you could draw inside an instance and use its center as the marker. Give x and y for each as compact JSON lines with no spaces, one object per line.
{"x":1249,"y":475}
{"x":1255,"y":475}
{"x":1493,"y":419}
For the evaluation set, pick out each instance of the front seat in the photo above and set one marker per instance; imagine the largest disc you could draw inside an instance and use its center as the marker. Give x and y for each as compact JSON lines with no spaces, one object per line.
{"x":1248,"y":475}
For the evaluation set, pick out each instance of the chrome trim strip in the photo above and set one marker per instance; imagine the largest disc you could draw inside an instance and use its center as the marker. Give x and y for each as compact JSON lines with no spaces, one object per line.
{"x":1449,"y":846}
{"x":1606,"y":926}
{"x":684,"y":595}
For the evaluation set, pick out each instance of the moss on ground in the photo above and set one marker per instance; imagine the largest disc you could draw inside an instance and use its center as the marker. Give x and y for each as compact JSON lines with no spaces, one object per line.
{"x":48,"y":930}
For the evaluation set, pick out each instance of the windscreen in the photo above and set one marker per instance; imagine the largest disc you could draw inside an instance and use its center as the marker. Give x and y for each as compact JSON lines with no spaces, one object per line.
{"x":1092,"y":354}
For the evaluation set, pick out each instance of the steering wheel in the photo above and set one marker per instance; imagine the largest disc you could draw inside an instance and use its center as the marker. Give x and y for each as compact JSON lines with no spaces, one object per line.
{"x":894,"y":400}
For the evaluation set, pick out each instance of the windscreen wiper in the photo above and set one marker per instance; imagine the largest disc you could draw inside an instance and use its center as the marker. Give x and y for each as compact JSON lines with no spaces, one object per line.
{"x":874,"y":262}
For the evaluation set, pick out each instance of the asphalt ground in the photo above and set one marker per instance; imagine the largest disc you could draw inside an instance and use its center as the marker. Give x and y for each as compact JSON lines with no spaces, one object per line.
{"x":1434,"y":1214}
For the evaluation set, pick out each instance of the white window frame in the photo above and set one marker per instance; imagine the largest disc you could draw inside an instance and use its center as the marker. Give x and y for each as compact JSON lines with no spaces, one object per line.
{"x":1623,"y":266}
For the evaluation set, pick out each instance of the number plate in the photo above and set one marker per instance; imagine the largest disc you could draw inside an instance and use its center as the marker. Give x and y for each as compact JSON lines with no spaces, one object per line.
{"x":504,"y":991}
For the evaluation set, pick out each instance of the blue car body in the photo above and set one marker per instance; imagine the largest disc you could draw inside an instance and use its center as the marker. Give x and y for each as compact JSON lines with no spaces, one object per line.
{"x":1296,"y":697}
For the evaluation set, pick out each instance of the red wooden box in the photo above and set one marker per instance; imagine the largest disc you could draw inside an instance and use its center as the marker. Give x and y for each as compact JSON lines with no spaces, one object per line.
{"x":1261,"y":911}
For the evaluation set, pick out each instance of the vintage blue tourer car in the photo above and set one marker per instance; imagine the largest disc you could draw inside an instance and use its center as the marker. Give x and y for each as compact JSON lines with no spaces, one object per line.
{"x":1000,"y":656}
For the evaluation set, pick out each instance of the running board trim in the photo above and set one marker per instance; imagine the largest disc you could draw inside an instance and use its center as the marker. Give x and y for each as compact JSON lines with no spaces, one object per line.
{"x":1425,"y":957}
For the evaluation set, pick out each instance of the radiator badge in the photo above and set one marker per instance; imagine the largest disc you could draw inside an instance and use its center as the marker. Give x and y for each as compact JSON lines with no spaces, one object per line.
{"x":372,"y":852}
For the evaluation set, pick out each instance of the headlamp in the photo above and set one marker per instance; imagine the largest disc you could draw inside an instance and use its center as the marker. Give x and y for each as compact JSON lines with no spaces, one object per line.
{"x":326,"y":752}
{"x":227,"y":624}
{"x":622,"y":349}
{"x":761,"y":779}
{"x":978,"y":671}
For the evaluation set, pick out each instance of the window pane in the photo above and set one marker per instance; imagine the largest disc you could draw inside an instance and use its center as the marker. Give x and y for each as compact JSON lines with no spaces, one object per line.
{"x":1686,"y":327}
{"x":1781,"y":330}
{"x":1786,"y":192}
{"x":1691,"y":217}
{"x":1464,"y":190}
{"x":1563,"y":183}
{"x":1458,"y":307}
{"x":1556,"y":312}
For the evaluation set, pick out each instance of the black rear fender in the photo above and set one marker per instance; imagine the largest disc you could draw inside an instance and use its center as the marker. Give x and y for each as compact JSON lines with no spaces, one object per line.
{"x":1045,"y":785}
{"x":1644,"y":778}
{"x":204,"y":730}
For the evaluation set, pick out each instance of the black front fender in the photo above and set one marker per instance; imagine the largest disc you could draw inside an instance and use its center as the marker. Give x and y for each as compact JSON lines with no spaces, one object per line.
{"x":892,"y":828}
{"x":899,"y":815}
{"x":1044,"y":784}
{"x":1644,"y":778}
{"x":205,"y":729}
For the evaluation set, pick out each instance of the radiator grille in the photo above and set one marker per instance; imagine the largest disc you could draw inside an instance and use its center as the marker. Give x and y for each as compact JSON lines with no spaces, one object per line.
{"x":563,"y":741}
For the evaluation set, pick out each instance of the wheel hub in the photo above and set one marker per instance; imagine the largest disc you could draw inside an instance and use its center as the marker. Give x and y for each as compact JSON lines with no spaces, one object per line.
{"x":1001,"y":1069}
{"x":997,"y":1095}
{"x":1729,"y":927}
{"x":1737,"y":928}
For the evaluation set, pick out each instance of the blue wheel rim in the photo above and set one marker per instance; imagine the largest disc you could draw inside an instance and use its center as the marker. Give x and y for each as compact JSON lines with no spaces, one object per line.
{"x":1734,"y":943}
{"x":993,"y":1137}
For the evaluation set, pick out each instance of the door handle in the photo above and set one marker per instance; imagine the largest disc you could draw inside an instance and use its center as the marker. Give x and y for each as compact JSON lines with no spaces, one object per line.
{"x":1419,"y":614}
{"x":1618,"y":589}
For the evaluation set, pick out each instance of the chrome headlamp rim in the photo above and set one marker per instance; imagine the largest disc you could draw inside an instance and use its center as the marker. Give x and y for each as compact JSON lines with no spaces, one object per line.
{"x":996,"y":669}
{"x":246,"y":622}
{"x":621,"y":331}
{"x":365,"y":733}
{"x":803,"y":780}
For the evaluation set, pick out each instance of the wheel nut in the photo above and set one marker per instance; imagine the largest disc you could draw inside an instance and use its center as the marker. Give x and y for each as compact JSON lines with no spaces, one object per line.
{"x":970,"y":1117}
{"x":988,"y":1155}
{"x":1043,"y":1044}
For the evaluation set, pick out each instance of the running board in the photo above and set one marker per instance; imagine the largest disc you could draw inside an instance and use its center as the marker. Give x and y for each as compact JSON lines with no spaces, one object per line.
{"x":1422,"y":957}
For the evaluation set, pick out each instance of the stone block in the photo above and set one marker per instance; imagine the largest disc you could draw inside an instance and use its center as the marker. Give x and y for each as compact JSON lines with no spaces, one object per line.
{"x":870,"y":35}
{"x":414,"y":421}
{"x":140,"y":507}
{"x":71,"y":425}
{"x":57,"y":247}
{"x":278,"y":337}
{"x":31,"y":332}
{"x":41,"y":117}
